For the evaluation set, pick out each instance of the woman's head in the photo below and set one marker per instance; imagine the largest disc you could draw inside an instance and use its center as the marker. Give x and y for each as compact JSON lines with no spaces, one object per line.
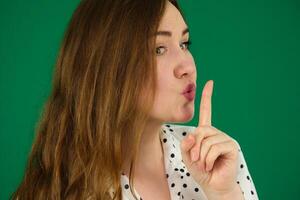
{"x":175,"y":68}
{"x":92,"y":121}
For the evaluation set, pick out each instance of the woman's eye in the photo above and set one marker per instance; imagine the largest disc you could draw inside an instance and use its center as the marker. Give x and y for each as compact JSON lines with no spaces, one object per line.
{"x":187,"y":44}
{"x":158,"y":50}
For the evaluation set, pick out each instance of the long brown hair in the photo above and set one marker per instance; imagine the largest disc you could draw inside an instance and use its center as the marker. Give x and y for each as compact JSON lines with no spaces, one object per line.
{"x":92,"y":121}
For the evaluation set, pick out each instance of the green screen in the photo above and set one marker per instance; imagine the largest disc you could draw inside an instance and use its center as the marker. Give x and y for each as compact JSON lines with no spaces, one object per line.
{"x":251,"y":49}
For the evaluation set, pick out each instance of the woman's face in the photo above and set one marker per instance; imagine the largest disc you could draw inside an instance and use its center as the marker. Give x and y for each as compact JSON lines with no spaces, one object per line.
{"x":175,"y":70}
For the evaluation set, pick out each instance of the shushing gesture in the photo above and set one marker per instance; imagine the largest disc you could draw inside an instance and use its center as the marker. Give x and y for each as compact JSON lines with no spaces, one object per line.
{"x":210,"y":155}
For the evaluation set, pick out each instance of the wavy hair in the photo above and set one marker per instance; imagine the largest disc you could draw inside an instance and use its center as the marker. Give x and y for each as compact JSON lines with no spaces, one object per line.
{"x":96,"y":112}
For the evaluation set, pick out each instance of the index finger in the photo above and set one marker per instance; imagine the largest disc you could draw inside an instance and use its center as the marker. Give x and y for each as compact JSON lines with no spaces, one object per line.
{"x":205,"y":104}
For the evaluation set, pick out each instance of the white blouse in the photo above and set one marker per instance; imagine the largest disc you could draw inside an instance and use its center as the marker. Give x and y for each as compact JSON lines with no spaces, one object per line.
{"x":181,"y":184}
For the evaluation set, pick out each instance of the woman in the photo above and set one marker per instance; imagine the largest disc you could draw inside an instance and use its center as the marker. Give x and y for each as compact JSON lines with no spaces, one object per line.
{"x":123,"y":71}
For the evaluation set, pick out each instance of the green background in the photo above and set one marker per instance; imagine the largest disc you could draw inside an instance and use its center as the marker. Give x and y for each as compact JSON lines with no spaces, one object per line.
{"x":251,"y":49}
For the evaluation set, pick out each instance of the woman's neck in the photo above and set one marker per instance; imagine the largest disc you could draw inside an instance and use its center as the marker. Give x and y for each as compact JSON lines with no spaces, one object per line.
{"x":150,"y":157}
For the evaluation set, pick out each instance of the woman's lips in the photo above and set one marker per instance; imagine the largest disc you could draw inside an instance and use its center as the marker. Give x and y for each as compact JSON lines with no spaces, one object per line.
{"x":189,"y":91}
{"x":190,"y":95}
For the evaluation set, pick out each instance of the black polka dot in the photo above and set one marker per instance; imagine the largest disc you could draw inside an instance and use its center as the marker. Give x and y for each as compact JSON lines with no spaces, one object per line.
{"x":248,"y":177}
{"x":182,"y":170}
{"x":178,"y":193}
{"x":126,"y":186}
{"x":242,"y":165}
{"x":252,"y":192}
{"x":172,"y":155}
{"x":165,"y":140}
{"x":167,"y":175}
{"x":184,"y":133}
{"x":176,"y":169}
{"x":181,"y":177}
{"x":238,"y":182}
{"x":164,"y":131}
{"x":170,"y":129}
{"x":184,"y":185}
{"x":173,"y":185}
{"x":188,"y":174}
{"x":196,"y":189}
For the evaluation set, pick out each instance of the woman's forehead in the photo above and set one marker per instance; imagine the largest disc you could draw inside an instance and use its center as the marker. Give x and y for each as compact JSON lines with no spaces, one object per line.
{"x":172,"y":20}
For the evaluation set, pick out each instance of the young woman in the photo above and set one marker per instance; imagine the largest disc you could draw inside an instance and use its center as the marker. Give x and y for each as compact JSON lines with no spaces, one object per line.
{"x":124,"y":70}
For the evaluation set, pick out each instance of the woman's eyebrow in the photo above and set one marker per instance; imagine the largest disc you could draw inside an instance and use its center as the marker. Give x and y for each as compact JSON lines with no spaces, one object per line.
{"x":169,"y":33}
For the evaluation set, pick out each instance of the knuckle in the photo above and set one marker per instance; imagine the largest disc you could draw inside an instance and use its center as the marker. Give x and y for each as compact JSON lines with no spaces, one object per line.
{"x":235,"y":144}
{"x":214,"y":149}
{"x":202,"y":131}
{"x":206,"y":143}
{"x":209,"y":157}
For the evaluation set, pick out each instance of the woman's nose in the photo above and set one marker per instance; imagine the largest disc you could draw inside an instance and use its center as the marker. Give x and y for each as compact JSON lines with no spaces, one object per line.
{"x":185,"y":67}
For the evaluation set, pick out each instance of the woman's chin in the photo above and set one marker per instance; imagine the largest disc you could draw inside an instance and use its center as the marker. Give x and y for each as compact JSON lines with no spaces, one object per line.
{"x":188,"y":117}
{"x":185,"y":114}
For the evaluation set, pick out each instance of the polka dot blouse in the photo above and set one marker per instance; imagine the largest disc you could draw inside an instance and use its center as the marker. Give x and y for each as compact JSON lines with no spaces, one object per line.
{"x":181,"y":184}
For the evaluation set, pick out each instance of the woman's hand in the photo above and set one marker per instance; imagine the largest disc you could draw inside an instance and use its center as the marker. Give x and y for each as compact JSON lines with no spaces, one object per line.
{"x":210,"y":155}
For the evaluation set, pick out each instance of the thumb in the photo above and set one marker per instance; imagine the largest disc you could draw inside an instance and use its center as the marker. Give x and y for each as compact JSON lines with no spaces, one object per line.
{"x":185,"y":146}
